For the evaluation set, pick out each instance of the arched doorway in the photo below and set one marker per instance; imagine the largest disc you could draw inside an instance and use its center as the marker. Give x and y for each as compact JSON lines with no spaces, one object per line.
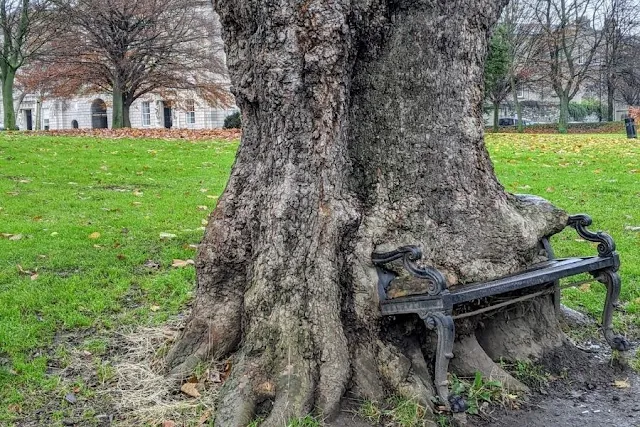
{"x":99,"y":114}
{"x":74,"y":124}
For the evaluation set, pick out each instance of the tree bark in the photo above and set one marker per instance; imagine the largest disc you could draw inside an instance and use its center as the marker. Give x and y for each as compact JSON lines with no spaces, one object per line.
{"x":362,"y":132}
{"x":563,"y":119}
{"x":496,"y":116}
{"x":611,"y":89}
{"x":516,"y":103}
{"x":117,"y":109}
{"x":126,"y":115}
{"x":7,"y":99}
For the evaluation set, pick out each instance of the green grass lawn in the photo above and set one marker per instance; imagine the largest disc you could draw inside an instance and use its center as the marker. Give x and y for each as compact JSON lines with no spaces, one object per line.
{"x":82,"y":221}
{"x":594,"y":174}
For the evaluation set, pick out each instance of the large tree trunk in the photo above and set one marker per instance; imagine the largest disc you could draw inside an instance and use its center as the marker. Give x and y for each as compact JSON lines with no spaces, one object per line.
{"x":362,"y":132}
{"x":563,"y":118}
{"x":7,"y":100}
{"x":126,"y":115}
{"x":611,"y":90}
{"x":516,"y":103}
{"x":117,"y":109}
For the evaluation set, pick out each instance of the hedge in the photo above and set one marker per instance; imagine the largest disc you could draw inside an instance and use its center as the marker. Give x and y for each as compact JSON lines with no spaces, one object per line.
{"x":595,"y":127}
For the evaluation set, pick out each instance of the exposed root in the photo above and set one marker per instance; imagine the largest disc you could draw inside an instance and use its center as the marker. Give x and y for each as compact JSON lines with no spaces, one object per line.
{"x":237,"y":404}
{"x":471,"y":358}
{"x":366,"y":382}
{"x":525,"y":332}
{"x":211,"y":333}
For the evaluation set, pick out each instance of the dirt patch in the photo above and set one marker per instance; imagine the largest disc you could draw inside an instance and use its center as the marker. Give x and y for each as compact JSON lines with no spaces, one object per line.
{"x":587,"y":390}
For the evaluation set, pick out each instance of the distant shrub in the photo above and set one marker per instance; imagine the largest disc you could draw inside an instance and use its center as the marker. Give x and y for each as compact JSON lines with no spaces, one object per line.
{"x":233,"y":121}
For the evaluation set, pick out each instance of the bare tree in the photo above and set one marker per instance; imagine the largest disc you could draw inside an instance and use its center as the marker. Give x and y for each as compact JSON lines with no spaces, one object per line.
{"x":133,"y":47}
{"x":620,"y":23}
{"x":25,"y":27}
{"x":628,"y":78}
{"x":571,"y":42}
{"x":525,"y":47}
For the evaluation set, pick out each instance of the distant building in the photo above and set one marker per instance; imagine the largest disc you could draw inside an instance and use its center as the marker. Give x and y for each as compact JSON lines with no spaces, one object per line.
{"x":184,"y":111}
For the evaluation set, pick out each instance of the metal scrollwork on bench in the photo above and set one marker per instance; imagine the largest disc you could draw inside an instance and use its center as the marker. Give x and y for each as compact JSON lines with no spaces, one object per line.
{"x":409,"y":254}
{"x":606,"y":245}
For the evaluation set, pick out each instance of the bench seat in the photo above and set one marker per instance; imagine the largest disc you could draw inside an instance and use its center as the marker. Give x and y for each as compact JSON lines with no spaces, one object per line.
{"x":436,"y":305}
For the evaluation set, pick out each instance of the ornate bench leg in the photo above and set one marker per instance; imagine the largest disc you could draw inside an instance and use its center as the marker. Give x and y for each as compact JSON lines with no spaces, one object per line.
{"x":611,"y":280}
{"x":445,"y":329}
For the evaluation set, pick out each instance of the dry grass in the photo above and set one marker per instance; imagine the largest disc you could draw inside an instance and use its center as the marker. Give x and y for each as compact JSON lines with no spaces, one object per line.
{"x":140,"y":391}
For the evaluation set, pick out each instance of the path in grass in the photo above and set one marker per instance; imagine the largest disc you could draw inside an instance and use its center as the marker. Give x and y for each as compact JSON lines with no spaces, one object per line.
{"x":82,"y":250}
{"x":82,"y":220}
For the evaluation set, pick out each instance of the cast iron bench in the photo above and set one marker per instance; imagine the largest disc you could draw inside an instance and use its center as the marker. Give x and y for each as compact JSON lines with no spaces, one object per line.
{"x":435,"y":307}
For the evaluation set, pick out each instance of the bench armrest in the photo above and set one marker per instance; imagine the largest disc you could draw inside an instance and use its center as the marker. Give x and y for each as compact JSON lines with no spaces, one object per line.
{"x":606,"y":245}
{"x":409,"y":254}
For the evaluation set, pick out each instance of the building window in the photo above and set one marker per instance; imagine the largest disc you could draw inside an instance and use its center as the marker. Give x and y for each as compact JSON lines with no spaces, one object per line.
{"x":191,"y":111}
{"x":146,"y":113}
{"x":580,"y":56}
{"x":520,"y":91}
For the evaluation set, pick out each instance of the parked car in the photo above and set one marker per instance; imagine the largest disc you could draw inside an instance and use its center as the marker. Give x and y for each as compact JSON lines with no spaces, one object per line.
{"x":512,"y":121}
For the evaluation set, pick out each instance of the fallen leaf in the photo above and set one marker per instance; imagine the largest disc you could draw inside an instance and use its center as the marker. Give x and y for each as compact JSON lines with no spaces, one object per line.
{"x":214,"y":377}
{"x":169,"y":423}
{"x":94,"y":235}
{"x":151,"y":264}
{"x":182,"y":263}
{"x":138,"y":193}
{"x":205,"y":417}
{"x":15,"y":408}
{"x":203,"y":208}
{"x":34,"y":276}
{"x":71,"y":398}
{"x":16,"y":237}
{"x":585,"y":288}
{"x":167,"y":236}
{"x":631,"y":228}
{"x":621,"y":384}
{"x":204,"y":222}
{"x":154,"y":308}
{"x":190,"y":390}
{"x":227,"y":368}
{"x":54,"y":234}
